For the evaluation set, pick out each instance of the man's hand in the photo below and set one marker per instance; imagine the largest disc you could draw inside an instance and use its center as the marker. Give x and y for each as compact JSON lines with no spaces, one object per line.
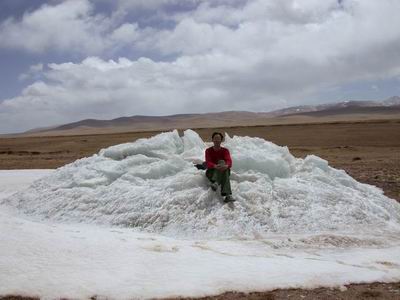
{"x":221,"y":168}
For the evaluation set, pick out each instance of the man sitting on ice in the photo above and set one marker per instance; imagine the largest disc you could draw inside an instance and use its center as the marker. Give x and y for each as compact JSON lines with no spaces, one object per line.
{"x":219,"y":163}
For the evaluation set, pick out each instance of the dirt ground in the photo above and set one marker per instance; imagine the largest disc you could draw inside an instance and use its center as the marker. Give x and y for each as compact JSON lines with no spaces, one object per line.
{"x":354,"y":291}
{"x":374,"y":291}
{"x":367,"y":150}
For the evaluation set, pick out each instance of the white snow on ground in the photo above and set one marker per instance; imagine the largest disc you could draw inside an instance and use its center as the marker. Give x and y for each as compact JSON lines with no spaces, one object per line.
{"x":151,"y":185}
{"x":149,"y":226}
{"x":9,"y":184}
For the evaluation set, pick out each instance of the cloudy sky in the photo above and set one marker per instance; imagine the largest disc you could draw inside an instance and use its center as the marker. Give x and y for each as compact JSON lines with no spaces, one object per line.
{"x":63,"y":61}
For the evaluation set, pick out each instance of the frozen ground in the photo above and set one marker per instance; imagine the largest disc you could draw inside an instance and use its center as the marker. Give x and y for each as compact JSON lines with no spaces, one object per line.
{"x":137,"y":220}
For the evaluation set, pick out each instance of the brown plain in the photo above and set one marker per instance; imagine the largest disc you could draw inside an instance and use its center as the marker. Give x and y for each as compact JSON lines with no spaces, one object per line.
{"x":369,"y":150}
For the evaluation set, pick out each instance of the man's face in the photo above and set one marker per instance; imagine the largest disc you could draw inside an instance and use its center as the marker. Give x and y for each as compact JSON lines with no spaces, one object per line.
{"x":217,"y":140}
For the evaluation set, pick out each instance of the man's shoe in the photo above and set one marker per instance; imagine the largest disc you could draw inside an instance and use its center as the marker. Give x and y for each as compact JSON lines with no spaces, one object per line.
{"x":229,"y":198}
{"x":214,"y":186}
{"x":202,"y":166}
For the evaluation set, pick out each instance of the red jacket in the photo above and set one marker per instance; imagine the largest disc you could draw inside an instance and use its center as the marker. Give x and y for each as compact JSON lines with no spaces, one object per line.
{"x":213,"y":156}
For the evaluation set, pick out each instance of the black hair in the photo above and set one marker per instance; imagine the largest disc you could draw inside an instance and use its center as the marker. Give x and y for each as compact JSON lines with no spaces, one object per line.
{"x":217,"y":133}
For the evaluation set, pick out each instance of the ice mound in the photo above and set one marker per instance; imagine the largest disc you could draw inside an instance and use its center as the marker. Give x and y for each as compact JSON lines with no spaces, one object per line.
{"x":151,"y":185}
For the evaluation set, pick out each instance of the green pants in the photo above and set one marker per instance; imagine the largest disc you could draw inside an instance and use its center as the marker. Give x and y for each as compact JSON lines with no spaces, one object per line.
{"x":222,"y":178}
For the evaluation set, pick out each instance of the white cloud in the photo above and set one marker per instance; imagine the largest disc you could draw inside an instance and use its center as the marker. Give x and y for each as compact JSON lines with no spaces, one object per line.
{"x":126,"y":33}
{"x":36,"y":68}
{"x":33,"y":72}
{"x":70,"y":26}
{"x":375,"y":87}
{"x":253,"y":55}
{"x":151,"y":4}
{"x":105,"y":89}
{"x":66,"y":26}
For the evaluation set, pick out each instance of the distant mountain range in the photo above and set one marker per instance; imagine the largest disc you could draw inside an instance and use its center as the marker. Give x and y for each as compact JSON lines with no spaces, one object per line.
{"x":297,"y":114}
{"x":338,"y":106}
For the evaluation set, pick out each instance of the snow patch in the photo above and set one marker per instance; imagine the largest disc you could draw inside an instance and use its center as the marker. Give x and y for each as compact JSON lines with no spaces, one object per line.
{"x":151,"y":185}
